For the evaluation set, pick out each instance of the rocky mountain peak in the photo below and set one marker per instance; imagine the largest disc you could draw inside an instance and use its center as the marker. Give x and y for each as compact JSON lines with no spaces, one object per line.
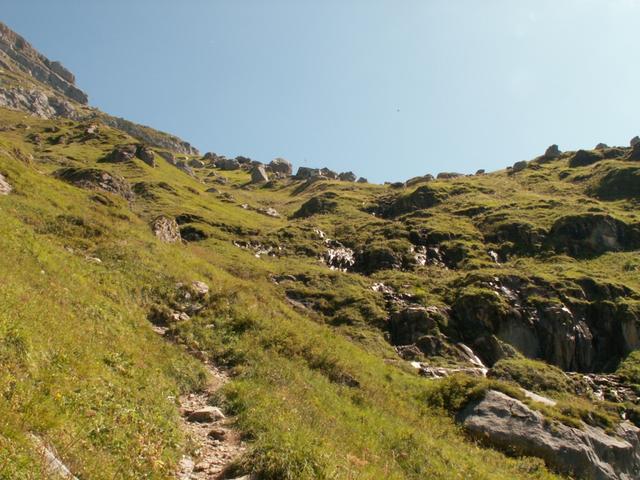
{"x":32,"y":62}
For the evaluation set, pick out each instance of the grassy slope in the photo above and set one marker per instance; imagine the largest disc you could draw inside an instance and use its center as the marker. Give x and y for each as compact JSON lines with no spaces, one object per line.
{"x":82,"y":368}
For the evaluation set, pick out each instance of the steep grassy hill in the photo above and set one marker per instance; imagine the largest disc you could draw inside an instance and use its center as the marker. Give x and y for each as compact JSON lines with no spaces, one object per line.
{"x":354,"y":319}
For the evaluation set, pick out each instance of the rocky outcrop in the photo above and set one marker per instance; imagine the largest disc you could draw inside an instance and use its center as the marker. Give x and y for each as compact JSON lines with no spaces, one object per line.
{"x":144,"y":153}
{"x":347,"y":177}
{"x":552,"y":152}
{"x":122,"y":153}
{"x":618,"y":184}
{"x":281,"y":166}
{"x":27,"y":59}
{"x":259,"y":174}
{"x":95,"y":179}
{"x":166,"y":229}
{"x":421,"y":179}
{"x":588,"y":331}
{"x":449,"y":175}
{"x":583,"y":158}
{"x":421,"y":198}
{"x":506,"y":423}
{"x":634,"y":141}
{"x":306,"y":172}
{"x":5,"y":187}
{"x":591,"y":234}
{"x":519,"y":166}
{"x":37,"y":102}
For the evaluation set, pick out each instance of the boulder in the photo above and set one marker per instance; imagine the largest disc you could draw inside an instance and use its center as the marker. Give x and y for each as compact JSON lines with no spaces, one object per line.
{"x":259,"y":174}
{"x":168,"y":156}
{"x":635,"y":152}
{"x":182,"y":165}
{"x":552,"y":152}
{"x":122,"y":153}
{"x":347,"y":177}
{"x":5,"y":187}
{"x":362,"y":180}
{"x":602,"y":146}
{"x":147,"y":155}
{"x":205,"y":415}
{"x":95,"y":179}
{"x":449,"y":175}
{"x":480,"y":172}
{"x":228,"y":164}
{"x":327,"y":173}
{"x":244,"y":160}
{"x":166,"y":229}
{"x":320,"y":204}
{"x":519,"y":166}
{"x":306,"y":172}
{"x":201,"y":289}
{"x":506,"y":423}
{"x":634,"y":141}
{"x":195,"y":163}
{"x":281,"y":166}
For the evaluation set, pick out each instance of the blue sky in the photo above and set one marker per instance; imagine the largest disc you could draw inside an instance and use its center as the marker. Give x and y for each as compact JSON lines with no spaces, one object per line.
{"x":387,"y":88}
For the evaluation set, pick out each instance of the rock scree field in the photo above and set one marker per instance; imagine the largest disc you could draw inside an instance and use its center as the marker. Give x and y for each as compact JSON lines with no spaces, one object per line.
{"x":166,"y":314}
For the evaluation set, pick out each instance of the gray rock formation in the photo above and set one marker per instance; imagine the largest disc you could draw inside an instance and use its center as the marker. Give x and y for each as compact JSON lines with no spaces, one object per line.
{"x":448,"y":175}
{"x":5,"y":187}
{"x":634,"y":141}
{"x":281,"y":166}
{"x":259,"y":174}
{"x":37,"y":102}
{"x":30,"y":61}
{"x":228,"y":164}
{"x":122,"y":153}
{"x":519,"y":166}
{"x":147,"y":155}
{"x":306,"y":172}
{"x":480,"y":172}
{"x":195,"y":163}
{"x":421,"y":179}
{"x":552,"y":152}
{"x":507,"y":423}
{"x":601,"y":146}
{"x":166,"y":229}
{"x":362,"y":180}
{"x":347,"y":177}
{"x":95,"y":179}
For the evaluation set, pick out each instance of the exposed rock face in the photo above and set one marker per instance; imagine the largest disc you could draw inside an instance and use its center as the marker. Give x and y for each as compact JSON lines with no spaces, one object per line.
{"x":347,"y":177}
{"x":147,"y":155}
{"x":552,"y":152}
{"x":166,"y":229}
{"x":583,"y":158}
{"x":195,"y":163}
{"x":281,"y":166}
{"x":592,"y":234}
{"x":122,"y":153}
{"x":5,"y":187}
{"x":259,"y":174}
{"x":507,"y":423}
{"x":589,"y":331}
{"x":411,"y":323}
{"x":94,"y":179}
{"x":53,"y":74}
{"x":37,"y":103}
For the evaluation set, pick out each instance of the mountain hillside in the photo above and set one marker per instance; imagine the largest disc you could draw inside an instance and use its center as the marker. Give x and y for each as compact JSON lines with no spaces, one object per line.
{"x":481,"y":326}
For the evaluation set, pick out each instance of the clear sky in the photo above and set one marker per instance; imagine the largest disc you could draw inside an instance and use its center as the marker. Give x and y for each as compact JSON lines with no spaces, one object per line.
{"x":387,"y":88}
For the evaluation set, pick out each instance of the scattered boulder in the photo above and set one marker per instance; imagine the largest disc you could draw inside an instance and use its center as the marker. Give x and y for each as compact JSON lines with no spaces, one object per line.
{"x":582,"y":158}
{"x":602,"y":146}
{"x":195,"y":163}
{"x":519,"y":166}
{"x":259,"y":174}
{"x":449,"y":175}
{"x":347,"y":177}
{"x":228,"y":164}
{"x":205,"y":415}
{"x":166,"y":229}
{"x":362,"y":180}
{"x":281,"y":166}
{"x":327,"y":173}
{"x":421,"y":179}
{"x":244,"y":160}
{"x":306,"y":172}
{"x":122,"y":153}
{"x":95,"y":179}
{"x":5,"y":187}
{"x":506,"y":423}
{"x":480,"y":172}
{"x":147,"y":155}
{"x":552,"y":152}
{"x":634,"y":141}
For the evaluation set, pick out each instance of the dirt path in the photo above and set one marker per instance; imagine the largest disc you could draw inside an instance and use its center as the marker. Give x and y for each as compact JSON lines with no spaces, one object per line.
{"x":215,"y":445}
